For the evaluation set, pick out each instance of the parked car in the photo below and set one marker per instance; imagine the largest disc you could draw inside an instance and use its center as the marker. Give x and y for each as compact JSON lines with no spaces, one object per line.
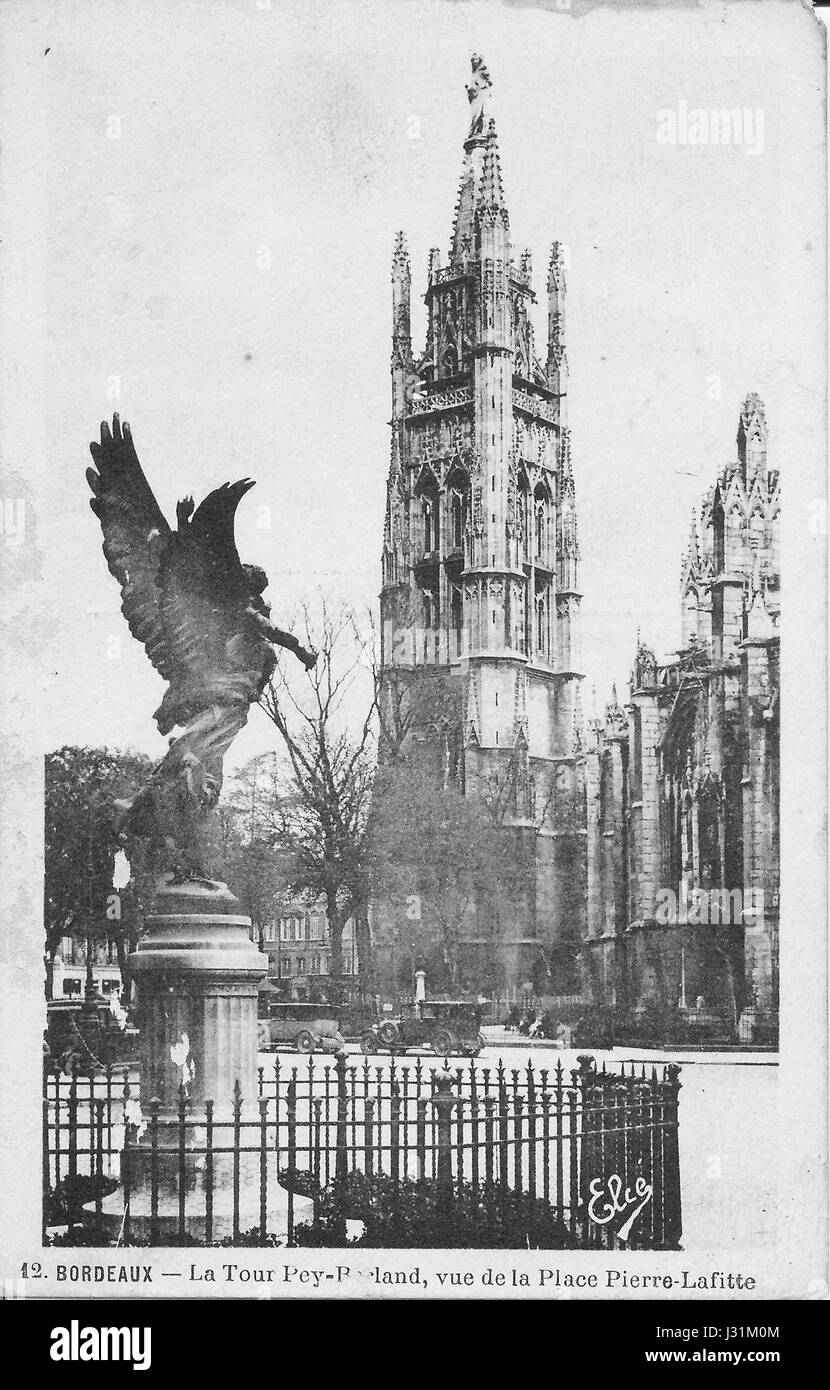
{"x":90,"y":1038}
{"x":305,"y":1027}
{"x":451,"y":1027}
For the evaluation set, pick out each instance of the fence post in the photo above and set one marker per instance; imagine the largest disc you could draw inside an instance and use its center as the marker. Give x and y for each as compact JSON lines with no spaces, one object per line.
{"x":291,"y":1111}
{"x":73,"y":1121}
{"x":475,"y":1136}
{"x":503,"y":1137}
{"x":395,"y":1136}
{"x":672,"y":1207}
{"x":46,"y":1169}
{"x":583,"y":1079}
{"x":99,"y":1157}
{"x":443,"y":1102}
{"x":421,"y":1137}
{"x":263,"y":1162}
{"x":58,"y":1126}
{"x":531,"y":1134}
{"x":368,"y":1136}
{"x":395,"y":1153}
{"x":318,"y":1108}
{"x":237,"y":1156}
{"x":341,"y":1160}
{"x":489,"y":1147}
{"x":126,"y":1176}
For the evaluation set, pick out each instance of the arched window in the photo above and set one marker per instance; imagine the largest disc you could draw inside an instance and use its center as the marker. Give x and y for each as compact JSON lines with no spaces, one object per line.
{"x":540,"y":626}
{"x":426,"y":508}
{"x":457,"y":521}
{"x":457,"y":617}
{"x":540,"y":532}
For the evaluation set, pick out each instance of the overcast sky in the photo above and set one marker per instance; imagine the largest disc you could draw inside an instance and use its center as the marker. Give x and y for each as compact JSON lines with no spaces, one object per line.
{"x":222,"y":186}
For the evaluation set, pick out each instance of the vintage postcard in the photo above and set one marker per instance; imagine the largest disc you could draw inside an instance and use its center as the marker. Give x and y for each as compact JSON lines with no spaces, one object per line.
{"x":414,"y":694}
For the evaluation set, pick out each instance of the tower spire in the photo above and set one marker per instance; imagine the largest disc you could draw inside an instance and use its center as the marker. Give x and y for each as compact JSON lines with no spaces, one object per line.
{"x":491,"y":191}
{"x":401,"y":325}
{"x":480,"y":181}
{"x":557,"y":363}
{"x":752,"y":437}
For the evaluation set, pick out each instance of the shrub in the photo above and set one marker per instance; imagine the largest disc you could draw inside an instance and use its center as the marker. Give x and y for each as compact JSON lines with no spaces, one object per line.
{"x":416,"y":1214}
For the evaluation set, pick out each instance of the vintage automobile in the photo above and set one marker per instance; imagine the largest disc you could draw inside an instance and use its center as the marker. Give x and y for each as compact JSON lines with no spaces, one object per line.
{"x":451,"y":1027}
{"x":299,"y":1025}
{"x":88,"y":1037}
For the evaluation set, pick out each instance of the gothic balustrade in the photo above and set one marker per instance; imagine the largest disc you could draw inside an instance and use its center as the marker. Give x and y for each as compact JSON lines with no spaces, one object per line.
{"x":533,"y":405}
{"x":442,"y":400}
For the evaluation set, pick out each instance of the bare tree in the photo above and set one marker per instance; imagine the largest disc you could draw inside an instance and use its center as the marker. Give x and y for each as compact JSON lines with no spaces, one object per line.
{"x":327,"y":728}
{"x":411,"y":699}
{"x":258,"y":869}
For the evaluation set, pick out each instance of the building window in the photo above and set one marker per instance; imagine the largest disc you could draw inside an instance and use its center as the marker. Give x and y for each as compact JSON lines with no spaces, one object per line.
{"x":315,"y":965}
{"x":301,"y":965}
{"x":457,"y":618}
{"x":286,"y":965}
{"x":429,"y":509}
{"x":457,"y":521}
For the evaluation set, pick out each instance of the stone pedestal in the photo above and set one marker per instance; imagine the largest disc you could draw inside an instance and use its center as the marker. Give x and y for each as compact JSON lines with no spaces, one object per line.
{"x":197,"y":972}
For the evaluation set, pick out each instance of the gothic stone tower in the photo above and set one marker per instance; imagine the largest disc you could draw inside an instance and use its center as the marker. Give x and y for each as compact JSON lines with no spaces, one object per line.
{"x":683,"y":787}
{"x":480,"y":596}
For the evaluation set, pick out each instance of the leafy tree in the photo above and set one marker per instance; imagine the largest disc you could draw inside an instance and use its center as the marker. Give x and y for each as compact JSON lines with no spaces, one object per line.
{"x":81,"y":842}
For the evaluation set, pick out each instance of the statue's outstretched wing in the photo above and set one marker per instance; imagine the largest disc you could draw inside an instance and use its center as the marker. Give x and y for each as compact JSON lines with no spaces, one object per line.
{"x":204,"y":593}
{"x":213,"y":527}
{"x":135,"y":535}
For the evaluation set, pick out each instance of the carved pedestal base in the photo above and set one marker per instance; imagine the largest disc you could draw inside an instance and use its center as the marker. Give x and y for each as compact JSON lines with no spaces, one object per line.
{"x":208,"y":1205}
{"x":197,"y":972}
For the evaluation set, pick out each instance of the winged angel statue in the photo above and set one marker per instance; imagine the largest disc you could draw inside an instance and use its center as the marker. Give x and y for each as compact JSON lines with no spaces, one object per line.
{"x":200,"y":614}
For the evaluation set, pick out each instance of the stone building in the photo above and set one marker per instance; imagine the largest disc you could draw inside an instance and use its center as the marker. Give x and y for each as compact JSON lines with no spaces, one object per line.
{"x":480,"y":587}
{"x":683,"y":785}
{"x":298,"y":946}
{"x":69,"y":968}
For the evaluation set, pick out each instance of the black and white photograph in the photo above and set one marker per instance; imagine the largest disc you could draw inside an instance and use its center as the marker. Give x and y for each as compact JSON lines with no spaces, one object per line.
{"x":413,"y":688}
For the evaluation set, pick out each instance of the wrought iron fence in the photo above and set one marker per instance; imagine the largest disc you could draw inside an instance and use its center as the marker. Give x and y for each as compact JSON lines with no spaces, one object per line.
{"x":591,"y":1154}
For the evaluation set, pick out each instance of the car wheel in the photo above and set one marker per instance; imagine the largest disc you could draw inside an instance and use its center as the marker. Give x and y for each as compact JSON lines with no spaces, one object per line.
{"x":368,"y":1043}
{"x":304,"y":1041}
{"x":444,"y":1043}
{"x":388,"y":1035}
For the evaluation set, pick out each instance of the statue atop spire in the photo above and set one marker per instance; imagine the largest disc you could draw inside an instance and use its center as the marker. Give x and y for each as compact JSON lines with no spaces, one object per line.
{"x":478,"y":90}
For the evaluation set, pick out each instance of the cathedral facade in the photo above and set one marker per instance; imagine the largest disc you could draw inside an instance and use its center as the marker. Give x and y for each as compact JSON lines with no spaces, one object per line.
{"x":683,"y":784}
{"x":648,"y":851}
{"x":480,"y":586}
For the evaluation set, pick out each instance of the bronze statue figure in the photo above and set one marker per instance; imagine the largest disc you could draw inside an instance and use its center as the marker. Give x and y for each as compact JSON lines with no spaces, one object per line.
{"x":200,"y":614}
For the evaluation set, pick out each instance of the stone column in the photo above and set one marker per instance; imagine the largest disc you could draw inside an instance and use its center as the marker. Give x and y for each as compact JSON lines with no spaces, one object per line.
{"x":197,"y":972}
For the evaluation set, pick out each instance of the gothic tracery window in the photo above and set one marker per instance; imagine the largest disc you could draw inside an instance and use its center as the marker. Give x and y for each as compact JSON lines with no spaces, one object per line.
{"x":457,"y":521}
